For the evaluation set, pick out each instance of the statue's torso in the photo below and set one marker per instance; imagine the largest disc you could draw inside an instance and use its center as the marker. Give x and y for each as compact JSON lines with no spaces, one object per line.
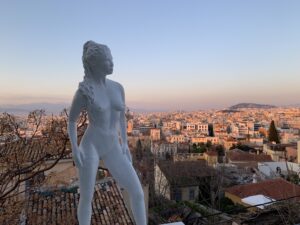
{"x":105,"y":106}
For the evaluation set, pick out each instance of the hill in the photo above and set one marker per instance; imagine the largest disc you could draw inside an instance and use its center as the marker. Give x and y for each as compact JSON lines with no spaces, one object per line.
{"x":251,"y":105}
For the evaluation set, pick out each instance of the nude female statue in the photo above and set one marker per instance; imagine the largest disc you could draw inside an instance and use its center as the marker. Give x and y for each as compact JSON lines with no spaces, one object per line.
{"x":105,"y":104}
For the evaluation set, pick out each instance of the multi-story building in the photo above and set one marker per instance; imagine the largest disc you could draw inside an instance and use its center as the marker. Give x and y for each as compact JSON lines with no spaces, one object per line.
{"x":163,"y":150}
{"x":179,"y":138}
{"x":197,"y":140}
{"x":155,"y":134}
{"x":181,"y":180}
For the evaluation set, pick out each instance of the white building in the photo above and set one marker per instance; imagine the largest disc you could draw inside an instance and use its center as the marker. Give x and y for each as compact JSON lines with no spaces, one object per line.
{"x":275,"y":169}
{"x":176,"y":138}
{"x":163,"y":149}
{"x":155,"y":134}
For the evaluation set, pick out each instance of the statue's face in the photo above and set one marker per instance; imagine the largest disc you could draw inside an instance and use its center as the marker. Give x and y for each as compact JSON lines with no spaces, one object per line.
{"x":104,"y":63}
{"x":107,"y":63}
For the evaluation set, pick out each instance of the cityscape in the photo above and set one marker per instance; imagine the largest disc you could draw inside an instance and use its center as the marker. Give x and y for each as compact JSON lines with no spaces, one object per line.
{"x":196,"y":167}
{"x":191,"y":108}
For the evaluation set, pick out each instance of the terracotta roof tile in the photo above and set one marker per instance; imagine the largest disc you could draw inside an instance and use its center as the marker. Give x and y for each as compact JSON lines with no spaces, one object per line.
{"x":275,"y":188}
{"x":246,"y":157}
{"x":33,"y":150}
{"x":59,"y":207}
{"x":185,"y":173}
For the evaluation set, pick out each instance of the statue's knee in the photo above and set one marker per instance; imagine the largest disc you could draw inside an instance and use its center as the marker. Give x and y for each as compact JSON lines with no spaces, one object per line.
{"x":86,"y":199}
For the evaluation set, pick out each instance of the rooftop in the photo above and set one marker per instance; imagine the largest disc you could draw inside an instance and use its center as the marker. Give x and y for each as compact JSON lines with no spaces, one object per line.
{"x":238,"y":155}
{"x":185,"y":173}
{"x":276,"y":189}
{"x":59,"y":207}
{"x":34,"y":150}
{"x":258,"y":199}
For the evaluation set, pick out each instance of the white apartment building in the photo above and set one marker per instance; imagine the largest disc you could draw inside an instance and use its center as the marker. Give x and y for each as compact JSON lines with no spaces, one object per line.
{"x":177,"y":138}
{"x":190,"y":126}
{"x":243,"y":129}
{"x":200,"y":127}
{"x":213,"y":140}
{"x":172,"y":125}
{"x":155,"y":134}
{"x":163,"y":149}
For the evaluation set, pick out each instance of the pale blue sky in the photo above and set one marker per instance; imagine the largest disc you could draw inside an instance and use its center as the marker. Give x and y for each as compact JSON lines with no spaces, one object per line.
{"x":167,"y":53}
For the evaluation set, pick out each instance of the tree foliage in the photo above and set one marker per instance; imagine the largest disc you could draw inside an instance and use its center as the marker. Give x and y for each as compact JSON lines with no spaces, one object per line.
{"x":273,"y":135}
{"x":211,"y":130}
{"x":29,"y":147}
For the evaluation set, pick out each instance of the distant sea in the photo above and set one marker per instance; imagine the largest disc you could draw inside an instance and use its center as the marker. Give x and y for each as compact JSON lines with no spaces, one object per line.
{"x":24,"y":109}
{"x":56,"y":108}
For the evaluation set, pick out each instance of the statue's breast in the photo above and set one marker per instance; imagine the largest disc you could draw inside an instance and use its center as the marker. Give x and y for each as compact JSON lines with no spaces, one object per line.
{"x":103,"y":99}
{"x":101,"y":103}
{"x":117,"y":103}
{"x":116,"y":98}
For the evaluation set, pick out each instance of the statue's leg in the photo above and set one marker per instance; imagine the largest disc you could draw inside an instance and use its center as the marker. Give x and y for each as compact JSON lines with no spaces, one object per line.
{"x":87,"y":178}
{"x":125,"y":175}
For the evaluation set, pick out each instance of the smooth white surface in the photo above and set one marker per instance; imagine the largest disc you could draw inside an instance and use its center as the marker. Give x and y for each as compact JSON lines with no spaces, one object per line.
{"x":104,"y":101}
{"x":258,"y":199}
{"x":270,"y":168}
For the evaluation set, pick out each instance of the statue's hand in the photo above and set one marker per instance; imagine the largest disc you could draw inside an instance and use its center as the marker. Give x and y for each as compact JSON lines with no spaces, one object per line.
{"x":78,"y":157}
{"x":126,"y":152}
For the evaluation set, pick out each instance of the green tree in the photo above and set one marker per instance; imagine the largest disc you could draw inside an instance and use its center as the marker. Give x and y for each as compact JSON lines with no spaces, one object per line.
{"x":194,"y":147}
{"x":208,"y":144}
{"x":211,"y":130}
{"x":139,"y":150}
{"x":220,"y":149}
{"x":273,"y":133}
{"x":199,"y":148}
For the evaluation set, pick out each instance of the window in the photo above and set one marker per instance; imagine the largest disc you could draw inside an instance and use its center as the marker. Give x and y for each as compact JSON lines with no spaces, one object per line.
{"x":192,"y":194}
{"x":176,"y":194}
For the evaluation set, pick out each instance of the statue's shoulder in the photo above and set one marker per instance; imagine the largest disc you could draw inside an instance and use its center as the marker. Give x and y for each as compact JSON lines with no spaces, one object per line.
{"x":85,"y":88}
{"x":115,"y":84}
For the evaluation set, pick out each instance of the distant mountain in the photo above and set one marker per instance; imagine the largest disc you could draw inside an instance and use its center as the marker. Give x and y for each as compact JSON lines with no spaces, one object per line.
{"x":291,"y":105}
{"x":144,"y":110}
{"x":251,"y":105}
{"x":24,"y":109}
{"x":229,"y":111}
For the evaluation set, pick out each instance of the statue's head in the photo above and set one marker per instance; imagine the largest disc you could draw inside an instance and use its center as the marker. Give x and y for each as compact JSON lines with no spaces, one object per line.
{"x":96,"y":59}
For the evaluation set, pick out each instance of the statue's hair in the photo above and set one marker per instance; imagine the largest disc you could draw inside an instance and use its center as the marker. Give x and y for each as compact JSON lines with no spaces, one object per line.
{"x":92,"y":51}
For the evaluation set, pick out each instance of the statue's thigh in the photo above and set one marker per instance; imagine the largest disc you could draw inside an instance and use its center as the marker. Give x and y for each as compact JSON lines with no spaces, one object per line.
{"x":87,"y":174}
{"x":121,"y":169}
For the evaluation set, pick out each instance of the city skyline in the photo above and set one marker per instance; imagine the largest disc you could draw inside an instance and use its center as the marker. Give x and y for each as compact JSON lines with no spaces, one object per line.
{"x":168,"y":55}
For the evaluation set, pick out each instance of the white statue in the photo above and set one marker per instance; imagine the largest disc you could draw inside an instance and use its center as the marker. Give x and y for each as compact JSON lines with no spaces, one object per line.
{"x":105,"y":104}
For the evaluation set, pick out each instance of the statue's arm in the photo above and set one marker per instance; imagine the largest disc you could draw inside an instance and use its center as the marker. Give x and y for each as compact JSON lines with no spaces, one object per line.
{"x":77,"y":105}
{"x":123,"y":127}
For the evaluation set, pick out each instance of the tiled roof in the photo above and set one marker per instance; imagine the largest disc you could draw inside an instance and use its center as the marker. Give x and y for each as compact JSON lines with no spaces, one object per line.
{"x":59,"y":207}
{"x":275,"y":188}
{"x":185,"y":173}
{"x":33,"y":150}
{"x":246,"y":157}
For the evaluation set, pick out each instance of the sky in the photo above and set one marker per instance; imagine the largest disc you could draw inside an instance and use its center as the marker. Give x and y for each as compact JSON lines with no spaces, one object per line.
{"x":168,"y":54}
